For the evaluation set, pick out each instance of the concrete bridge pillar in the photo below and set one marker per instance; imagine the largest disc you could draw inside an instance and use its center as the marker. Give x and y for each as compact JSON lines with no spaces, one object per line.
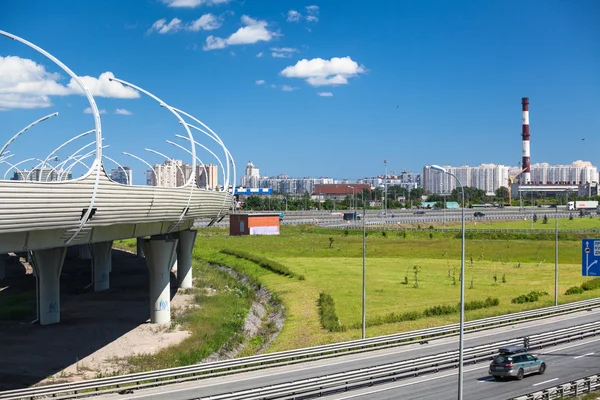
{"x":47,"y":265}
{"x":184,"y":258}
{"x":101,"y":264}
{"x":160,"y":254}
{"x":84,"y":252}
{"x":139,"y":247}
{"x":2,"y":266}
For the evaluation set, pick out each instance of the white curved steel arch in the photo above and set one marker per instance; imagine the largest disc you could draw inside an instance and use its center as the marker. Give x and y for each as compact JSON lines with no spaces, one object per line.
{"x":75,"y":154}
{"x":218,"y":139}
{"x":207,"y":149}
{"x":97,"y":125}
{"x":66,"y":143}
{"x":120,"y":166}
{"x":24,"y":161}
{"x":192,"y":176}
{"x":197,"y":158}
{"x":78,"y":158}
{"x":6,"y":157}
{"x":31,"y":125}
{"x":12,"y":166}
{"x":173,"y":161}
{"x":145,"y":162}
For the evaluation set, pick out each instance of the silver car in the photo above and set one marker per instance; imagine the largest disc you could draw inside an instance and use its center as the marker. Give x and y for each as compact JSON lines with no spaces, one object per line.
{"x":514,"y":361}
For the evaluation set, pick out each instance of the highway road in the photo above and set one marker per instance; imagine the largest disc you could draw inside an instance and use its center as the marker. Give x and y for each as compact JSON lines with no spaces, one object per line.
{"x":565,"y":363}
{"x":476,"y":375}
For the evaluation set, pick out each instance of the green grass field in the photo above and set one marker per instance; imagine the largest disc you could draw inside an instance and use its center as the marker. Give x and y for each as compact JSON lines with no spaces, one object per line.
{"x":526,"y":265}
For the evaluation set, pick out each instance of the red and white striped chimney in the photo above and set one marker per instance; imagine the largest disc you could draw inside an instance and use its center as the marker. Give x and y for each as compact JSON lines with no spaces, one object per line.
{"x":526,"y":175}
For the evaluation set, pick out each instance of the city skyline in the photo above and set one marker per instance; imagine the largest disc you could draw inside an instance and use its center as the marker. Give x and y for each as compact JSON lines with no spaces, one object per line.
{"x":423,"y":83}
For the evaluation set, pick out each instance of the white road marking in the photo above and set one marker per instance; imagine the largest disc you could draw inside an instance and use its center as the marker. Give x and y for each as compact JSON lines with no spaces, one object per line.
{"x":588,"y":354}
{"x":541,"y":383}
{"x":207,"y":384}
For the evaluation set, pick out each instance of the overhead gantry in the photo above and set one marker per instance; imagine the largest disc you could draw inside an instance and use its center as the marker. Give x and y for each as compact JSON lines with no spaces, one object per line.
{"x":45,"y":217}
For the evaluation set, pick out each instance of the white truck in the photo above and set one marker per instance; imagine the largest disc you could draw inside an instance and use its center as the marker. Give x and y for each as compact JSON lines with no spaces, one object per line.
{"x":582,"y":205}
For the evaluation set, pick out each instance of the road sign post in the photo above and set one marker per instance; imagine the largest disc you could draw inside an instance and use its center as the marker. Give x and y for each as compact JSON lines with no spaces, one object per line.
{"x":590,"y":257}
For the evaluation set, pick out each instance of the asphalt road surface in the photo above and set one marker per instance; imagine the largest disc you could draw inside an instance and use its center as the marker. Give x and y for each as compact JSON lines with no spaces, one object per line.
{"x":562,"y":366}
{"x":565,"y":363}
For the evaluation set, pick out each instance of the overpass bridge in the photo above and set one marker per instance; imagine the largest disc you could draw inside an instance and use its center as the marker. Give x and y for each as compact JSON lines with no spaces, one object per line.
{"x":45,"y":217}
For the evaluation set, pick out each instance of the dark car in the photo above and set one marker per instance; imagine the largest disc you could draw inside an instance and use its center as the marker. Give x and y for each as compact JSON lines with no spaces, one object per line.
{"x":478,"y":214}
{"x":419,"y":212}
{"x":515,"y":361}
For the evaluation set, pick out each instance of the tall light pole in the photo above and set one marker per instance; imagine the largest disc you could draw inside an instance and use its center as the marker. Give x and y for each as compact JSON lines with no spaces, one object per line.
{"x":556,"y":255}
{"x":385,"y":163}
{"x":462,"y":282}
{"x":364,"y":274}
{"x":353,"y":198}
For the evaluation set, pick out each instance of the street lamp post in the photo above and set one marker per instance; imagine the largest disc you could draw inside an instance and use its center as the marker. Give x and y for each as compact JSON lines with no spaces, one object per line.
{"x":385,"y":163}
{"x":556,"y":256}
{"x":462,"y":282}
{"x":364,"y":274}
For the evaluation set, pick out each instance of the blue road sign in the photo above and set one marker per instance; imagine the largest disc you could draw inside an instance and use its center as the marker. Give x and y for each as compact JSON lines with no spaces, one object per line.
{"x":590,"y":257}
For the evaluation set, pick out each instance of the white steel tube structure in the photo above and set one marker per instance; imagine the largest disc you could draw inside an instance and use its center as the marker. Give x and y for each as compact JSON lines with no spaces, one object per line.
{"x":173,"y":161}
{"x":12,"y":139}
{"x":216,"y":138}
{"x":145,"y":162}
{"x":61,"y":164}
{"x":225,"y":179}
{"x":7,"y":156}
{"x":22,"y":162}
{"x":197,"y":159}
{"x":97,"y":125}
{"x":168,"y":107}
{"x":77,"y":159}
{"x":49,"y":156}
{"x":462,"y":283}
{"x":120,"y":166}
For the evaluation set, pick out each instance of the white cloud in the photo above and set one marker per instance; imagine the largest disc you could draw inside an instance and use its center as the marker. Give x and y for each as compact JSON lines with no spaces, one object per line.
{"x":284,"y":49}
{"x":293,"y":16}
{"x":260,"y":82}
{"x":103,"y":87}
{"x":325,"y":94}
{"x":320,"y":72}
{"x":259,"y":55}
{"x":89,"y":111}
{"x":288,"y":88}
{"x":122,"y":111}
{"x":312,"y":15}
{"x":26,"y":84}
{"x":282,"y":52}
{"x":192,"y":3}
{"x":162,"y":27}
{"x":254,"y":31}
{"x":207,"y":22}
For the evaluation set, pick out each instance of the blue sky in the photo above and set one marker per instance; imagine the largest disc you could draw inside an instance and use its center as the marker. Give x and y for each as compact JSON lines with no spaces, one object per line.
{"x":346,"y":84}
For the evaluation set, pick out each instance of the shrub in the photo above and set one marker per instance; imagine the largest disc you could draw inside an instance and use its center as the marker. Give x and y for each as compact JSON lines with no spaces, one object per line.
{"x":346,"y":232}
{"x":478,"y":304}
{"x":327,"y":314}
{"x":574,"y":290}
{"x":529,"y":297}
{"x":591,"y":284}
{"x":440,"y":310}
{"x":383,"y":234}
{"x":271,"y":265}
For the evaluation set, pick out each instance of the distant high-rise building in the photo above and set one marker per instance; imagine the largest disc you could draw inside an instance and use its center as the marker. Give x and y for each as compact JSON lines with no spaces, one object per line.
{"x":123,"y":176}
{"x":488,"y":177}
{"x":251,"y":176}
{"x":579,"y":172}
{"x":210,"y":179}
{"x":167,"y":174}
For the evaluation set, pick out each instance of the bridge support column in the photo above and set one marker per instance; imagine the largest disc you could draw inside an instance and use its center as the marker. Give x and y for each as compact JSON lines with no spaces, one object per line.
{"x":101,"y":264}
{"x":2,"y":266}
{"x":139,"y":247}
{"x":184,"y":258}
{"x":160,"y":254}
{"x":47,"y":265}
{"x":84,"y":252}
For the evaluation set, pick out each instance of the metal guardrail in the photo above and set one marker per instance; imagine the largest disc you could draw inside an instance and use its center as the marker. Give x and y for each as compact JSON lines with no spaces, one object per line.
{"x":578,"y":387}
{"x":354,"y":379}
{"x":199,"y":371}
